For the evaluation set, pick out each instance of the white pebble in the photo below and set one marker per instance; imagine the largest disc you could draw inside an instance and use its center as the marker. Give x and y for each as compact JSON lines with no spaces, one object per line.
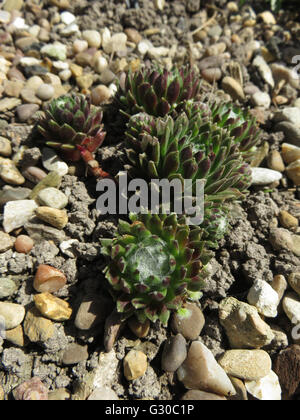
{"x":67,"y":18}
{"x":65,"y":75}
{"x":264,"y":176}
{"x":45,"y":92}
{"x":101,"y":64}
{"x":51,"y":162}
{"x":70,"y":30}
{"x":17,"y":213}
{"x":264,"y":298}
{"x":4,"y":16}
{"x":93,"y":38}
{"x":80,"y":45}
{"x":265,"y":389}
{"x":144,"y":46}
{"x":291,"y":307}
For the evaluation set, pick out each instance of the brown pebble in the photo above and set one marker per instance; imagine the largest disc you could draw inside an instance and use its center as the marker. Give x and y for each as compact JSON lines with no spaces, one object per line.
{"x":24,"y":244}
{"x":48,"y":279}
{"x":139,"y":329}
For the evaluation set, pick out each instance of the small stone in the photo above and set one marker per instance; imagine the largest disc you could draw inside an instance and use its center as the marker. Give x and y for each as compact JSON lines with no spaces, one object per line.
{"x":100,"y":64}
{"x":14,"y":194}
{"x":12,"y":314}
{"x":264,"y":70}
{"x":190,"y":326}
{"x":290,"y":153}
{"x":243,"y":325}
{"x":52,"y":307}
{"x":70,"y":30}
{"x":265,"y":389}
{"x":34,"y":174}
{"x":32,"y":390}
{"x":53,"y":179}
{"x":248,"y":365}
{"x":294,"y":282}
{"x":135,"y":365}
{"x":9,"y":173}
{"x":80,"y":45}
{"x":233,"y":88}
{"x":216,"y":49}
{"x":196,"y":395}
{"x":76,"y":70}
{"x":67,"y":18}
{"x":280,"y":285}
{"x":4,"y":18}
{"x":201,"y":371}
{"x":6,"y":242}
{"x":75,"y":353}
{"x":85,"y":81}
{"x":287,"y":367}
{"x":45,"y":92}
{"x":261,"y":99}
{"x":260,"y":154}
{"x":264,"y":176}
{"x":17,"y":213}
{"x":174,"y":353}
{"x":92,"y":312}
{"x":107,"y":76}
{"x":52,"y":197}
{"x":60,"y":394}
{"x":290,"y":114}
{"x":57,"y":51}
{"x":92,"y":37}
{"x":30,"y":97}
{"x":100,"y":95}
{"x":25,"y":112}
{"x":56,"y":218}
{"x":267,"y":17}
{"x":275,"y":161}
{"x":37,"y":328}
{"x":283,"y":239}
{"x":103,"y":394}
{"x":13,"y":88}
{"x":15,"y":336}
{"x":287,"y":220}
{"x":7,"y":287}
{"x":48,"y":279}
{"x":40,"y":233}
{"x":24,"y":244}
{"x":65,"y":75}
{"x":85,"y":59}
{"x":52,"y":162}
{"x":293,"y":172}
{"x":133,"y":35}
{"x":5,"y":147}
{"x":141,"y":330}
{"x":69,"y":247}
{"x":291,"y":307}
{"x":241,"y":392}
{"x":264,"y":298}
{"x":61,"y":4}
{"x":211,"y":75}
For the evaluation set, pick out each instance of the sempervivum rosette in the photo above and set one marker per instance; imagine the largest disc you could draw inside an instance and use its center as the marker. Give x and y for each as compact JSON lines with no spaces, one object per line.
{"x":73,"y":126}
{"x":157,"y":91}
{"x":157,"y":264}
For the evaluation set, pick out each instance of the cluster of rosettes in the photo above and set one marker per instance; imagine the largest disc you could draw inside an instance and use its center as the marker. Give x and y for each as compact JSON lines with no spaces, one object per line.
{"x":157,"y":263}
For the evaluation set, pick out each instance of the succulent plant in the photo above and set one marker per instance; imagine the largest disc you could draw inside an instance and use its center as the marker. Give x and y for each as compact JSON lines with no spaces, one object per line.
{"x":157,"y":264}
{"x":157,"y":91}
{"x":187,"y":148}
{"x":74,"y":127}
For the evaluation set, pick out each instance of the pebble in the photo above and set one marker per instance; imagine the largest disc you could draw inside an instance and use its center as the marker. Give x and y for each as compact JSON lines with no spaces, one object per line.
{"x":190,"y":327}
{"x":45,"y":92}
{"x":133,"y":35}
{"x":85,"y":81}
{"x":11,"y":5}
{"x":107,"y":76}
{"x":53,"y":179}
{"x":239,"y":386}
{"x":290,"y":114}
{"x":283,"y":239}
{"x":31,"y":390}
{"x":37,"y":328}
{"x":100,"y":64}
{"x":294,"y":282}
{"x":6,"y":242}
{"x":14,"y":194}
{"x":75,"y":353}
{"x":174,"y":353}
{"x":16,"y":336}
{"x":24,"y":244}
{"x":70,"y":30}
{"x":275,"y":161}
{"x":261,"y":99}
{"x":264,"y":70}
{"x":30,"y":97}
{"x":250,"y":365}
{"x":196,"y":395}
{"x":48,"y":279}
{"x":287,"y":220}
{"x":7,"y":104}
{"x":100,"y":95}
{"x":265,"y":389}
{"x":286,"y":366}
{"x":138,"y":328}
{"x":25,"y":112}
{"x":260,"y":154}
{"x":293,"y":172}
{"x":291,"y":307}
{"x":103,"y":394}
{"x":34,"y":174}
{"x":135,"y":365}
{"x":13,"y":88}
{"x":55,"y":217}
{"x":264,"y":298}
{"x":52,"y":307}
{"x":211,"y":75}
{"x":56,"y":51}
{"x":290,"y":153}
{"x":17,"y":214}
{"x":117,"y":43}
{"x":243,"y":325}
{"x":69,"y":247}
{"x":65,"y":75}
{"x":280,"y":285}
{"x":52,"y":197}
{"x":233,"y":88}
{"x":7,"y":287}
{"x":67,"y":18}
{"x":92,"y":312}
{"x":5,"y":147}
{"x":80,"y":45}
{"x":201,"y":371}
{"x":5,"y":16}
{"x":264,"y":176}
{"x":53,"y":163}
{"x":92,"y":37}
{"x":12,"y":314}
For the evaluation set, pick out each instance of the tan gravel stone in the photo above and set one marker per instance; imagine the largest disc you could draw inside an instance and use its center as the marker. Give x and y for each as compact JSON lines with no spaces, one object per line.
{"x":135,"y":365}
{"x":36,"y":327}
{"x":52,"y":307}
{"x":55,"y":217}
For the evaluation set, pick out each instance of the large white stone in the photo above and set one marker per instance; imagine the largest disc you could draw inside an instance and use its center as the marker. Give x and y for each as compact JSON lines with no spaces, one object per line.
{"x":264,"y":176}
{"x":201,"y":371}
{"x":265,"y":389}
{"x":17,"y":214}
{"x":52,"y":162}
{"x":264,"y":298}
{"x":11,"y":315}
{"x":291,"y":307}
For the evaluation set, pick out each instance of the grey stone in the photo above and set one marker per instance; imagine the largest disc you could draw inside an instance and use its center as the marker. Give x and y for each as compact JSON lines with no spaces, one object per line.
{"x":174,"y":353}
